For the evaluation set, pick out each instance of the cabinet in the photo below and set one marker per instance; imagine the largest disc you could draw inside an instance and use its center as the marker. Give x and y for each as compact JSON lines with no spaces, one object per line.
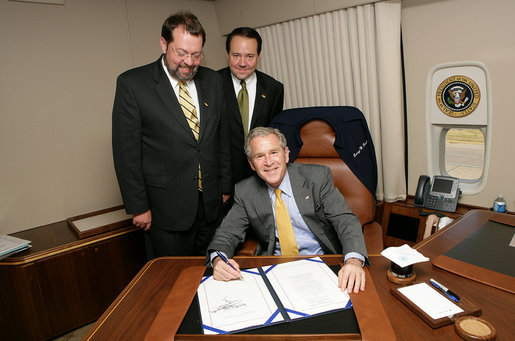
{"x":64,"y":282}
{"x":405,"y":223}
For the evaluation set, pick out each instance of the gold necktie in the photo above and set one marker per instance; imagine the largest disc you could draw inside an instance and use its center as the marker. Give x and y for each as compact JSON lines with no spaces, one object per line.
{"x":189,"y":109}
{"x":287,"y":240}
{"x":191,"y":116}
{"x":243,"y":104}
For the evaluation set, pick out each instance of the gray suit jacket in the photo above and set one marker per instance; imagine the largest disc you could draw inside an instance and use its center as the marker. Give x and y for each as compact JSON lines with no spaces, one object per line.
{"x":321,"y":205}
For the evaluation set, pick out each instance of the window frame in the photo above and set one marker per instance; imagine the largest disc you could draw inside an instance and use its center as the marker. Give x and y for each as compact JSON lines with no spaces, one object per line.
{"x":435,"y":138}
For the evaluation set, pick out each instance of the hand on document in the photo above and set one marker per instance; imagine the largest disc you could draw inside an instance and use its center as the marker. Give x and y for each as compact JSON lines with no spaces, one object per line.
{"x":223,"y":271}
{"x":352,"y":276}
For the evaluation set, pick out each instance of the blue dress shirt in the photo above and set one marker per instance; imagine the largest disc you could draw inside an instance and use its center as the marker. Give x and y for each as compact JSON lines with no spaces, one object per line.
{"x":306,"y":240}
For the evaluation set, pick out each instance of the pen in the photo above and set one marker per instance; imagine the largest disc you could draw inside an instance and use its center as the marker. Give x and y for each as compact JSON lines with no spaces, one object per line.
{"x":446,"y":291}
{"x":222,"y":257}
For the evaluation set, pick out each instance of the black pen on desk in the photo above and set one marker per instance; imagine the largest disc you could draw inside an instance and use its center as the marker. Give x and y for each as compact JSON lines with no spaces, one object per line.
{"x":450,"y":294}
{"x":222,"y":257}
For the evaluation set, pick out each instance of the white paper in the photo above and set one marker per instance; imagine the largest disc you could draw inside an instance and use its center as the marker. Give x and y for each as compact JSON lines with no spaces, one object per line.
{"x":403,"y":255}
{"x":304,"y":287}
{"x":237,"y":304}
{"x":9,"y":244}
{"x":307,"y":287}
{"x":98,"y":220}
{"x":430,"y":300}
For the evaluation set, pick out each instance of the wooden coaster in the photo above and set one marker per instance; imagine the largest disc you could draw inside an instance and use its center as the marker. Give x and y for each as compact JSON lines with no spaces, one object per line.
{"x":473,"y":328}
{"x":398,"y":280}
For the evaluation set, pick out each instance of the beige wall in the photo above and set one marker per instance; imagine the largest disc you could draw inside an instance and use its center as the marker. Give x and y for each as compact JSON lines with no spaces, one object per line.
{"x":58,"y":67}
{"x":436,"y":32}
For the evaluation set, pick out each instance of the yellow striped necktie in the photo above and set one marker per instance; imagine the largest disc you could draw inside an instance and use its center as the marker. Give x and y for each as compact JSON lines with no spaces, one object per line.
{"x":287,"y":240}
{"x":189,"y":109}
{"x":191,"y":116}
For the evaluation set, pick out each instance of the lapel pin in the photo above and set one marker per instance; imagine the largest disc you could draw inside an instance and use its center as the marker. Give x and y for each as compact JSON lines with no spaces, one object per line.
{"x":263,"y":95}
{"x":205,"y":103}
{"x":307,"y":197}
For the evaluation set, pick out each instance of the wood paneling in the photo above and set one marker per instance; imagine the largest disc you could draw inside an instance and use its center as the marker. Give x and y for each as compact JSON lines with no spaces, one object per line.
{"x":21,"y":301}
{"x":407,"y":208}
{"x":62,"y":282}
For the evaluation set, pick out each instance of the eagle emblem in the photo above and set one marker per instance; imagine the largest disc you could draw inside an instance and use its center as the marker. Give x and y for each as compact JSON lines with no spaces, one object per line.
{"x":458,"y":96}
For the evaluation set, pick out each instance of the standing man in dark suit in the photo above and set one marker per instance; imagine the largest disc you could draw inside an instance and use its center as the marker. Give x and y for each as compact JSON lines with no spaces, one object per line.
{"x":292,"y":209}
{"x":170,"y":145}
{"x":265,"y":95}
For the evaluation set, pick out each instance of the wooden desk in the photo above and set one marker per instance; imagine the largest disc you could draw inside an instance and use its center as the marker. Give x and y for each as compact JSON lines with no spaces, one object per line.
{"x":131,"y":314}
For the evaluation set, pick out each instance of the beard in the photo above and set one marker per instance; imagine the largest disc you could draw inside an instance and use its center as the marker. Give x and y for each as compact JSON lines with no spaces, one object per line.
{"x":175,"y":72}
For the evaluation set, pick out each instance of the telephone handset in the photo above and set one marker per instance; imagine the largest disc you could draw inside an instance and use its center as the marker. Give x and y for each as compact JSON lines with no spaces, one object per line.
{"x":441,"y":195}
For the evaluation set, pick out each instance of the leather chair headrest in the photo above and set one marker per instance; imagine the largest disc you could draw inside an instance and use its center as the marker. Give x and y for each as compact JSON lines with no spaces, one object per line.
{"x":318,"y":140}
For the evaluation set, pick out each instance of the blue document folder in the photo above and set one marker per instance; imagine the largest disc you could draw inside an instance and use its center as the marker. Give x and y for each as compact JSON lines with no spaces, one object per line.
{"x":270,"y":295}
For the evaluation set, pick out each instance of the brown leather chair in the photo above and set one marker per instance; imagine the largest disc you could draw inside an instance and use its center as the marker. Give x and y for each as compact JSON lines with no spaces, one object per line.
{"x":318,"y":140}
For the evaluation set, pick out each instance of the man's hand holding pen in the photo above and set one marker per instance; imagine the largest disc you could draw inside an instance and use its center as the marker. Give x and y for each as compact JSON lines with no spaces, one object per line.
{"x":225,"y":269}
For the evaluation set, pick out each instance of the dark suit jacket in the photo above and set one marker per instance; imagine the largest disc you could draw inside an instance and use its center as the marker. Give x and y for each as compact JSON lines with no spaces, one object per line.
{"x":321,"y":205}
{"x":269,"y":101}
{"x":156,"y":156}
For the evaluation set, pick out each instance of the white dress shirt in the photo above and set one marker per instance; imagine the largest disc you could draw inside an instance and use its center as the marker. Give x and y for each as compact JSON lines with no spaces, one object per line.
{"x":190,"y":86}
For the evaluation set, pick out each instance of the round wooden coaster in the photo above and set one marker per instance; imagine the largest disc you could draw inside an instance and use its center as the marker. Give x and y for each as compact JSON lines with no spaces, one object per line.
{"x":398,"y":280}
{"x":474,"y":328}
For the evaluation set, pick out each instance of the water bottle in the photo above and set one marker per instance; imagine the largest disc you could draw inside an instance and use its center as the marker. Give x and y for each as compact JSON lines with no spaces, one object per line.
{"x":499,"y":204}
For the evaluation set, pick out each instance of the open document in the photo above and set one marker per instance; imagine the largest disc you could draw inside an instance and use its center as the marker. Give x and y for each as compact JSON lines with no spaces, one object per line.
{"x":269,"y":295}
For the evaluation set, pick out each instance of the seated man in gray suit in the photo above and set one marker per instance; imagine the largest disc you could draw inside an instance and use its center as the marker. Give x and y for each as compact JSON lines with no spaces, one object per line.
{"x":309,"y":217}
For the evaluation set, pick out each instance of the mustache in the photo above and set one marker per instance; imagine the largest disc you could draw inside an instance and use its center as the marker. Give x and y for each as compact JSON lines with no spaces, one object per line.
{"x":184,"y":66}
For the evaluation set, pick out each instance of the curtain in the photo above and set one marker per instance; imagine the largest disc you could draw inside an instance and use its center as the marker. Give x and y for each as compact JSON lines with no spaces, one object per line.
{"x":347,"y":57}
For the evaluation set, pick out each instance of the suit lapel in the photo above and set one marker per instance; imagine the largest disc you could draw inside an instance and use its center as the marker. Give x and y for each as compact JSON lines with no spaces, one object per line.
{"x":301,"y":192}
{"x":230,"y":95}
{"x":203,"y":102}
{"x":164,"y":90}
{"x":261,"y":98}
{"x":263,"y":207}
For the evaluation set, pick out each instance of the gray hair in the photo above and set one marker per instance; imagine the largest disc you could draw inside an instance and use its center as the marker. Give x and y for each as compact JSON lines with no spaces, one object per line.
{"x":261,"y":132}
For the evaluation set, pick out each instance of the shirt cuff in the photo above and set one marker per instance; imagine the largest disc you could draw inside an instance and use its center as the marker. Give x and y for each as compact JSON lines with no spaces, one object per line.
{"x":354,"y":255}
{"x":213,"y":255}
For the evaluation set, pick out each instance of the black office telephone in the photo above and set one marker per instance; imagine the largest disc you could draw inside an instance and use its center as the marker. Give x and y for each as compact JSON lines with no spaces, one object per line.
{"x":441,"y":195}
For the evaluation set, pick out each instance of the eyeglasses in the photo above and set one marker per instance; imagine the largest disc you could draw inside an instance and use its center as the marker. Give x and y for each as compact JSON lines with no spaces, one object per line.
{"x":184,"y":55}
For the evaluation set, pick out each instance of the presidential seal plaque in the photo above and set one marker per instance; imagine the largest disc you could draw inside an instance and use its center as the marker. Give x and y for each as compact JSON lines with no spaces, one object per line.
{"x":458,"y":96}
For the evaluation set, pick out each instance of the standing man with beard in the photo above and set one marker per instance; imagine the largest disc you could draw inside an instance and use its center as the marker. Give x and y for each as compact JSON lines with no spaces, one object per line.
{"x":170,"y":148}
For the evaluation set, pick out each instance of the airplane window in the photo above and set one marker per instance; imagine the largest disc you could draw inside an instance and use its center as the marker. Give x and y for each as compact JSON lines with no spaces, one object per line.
{"x":459,"y":136}
{"x":464,"y":155}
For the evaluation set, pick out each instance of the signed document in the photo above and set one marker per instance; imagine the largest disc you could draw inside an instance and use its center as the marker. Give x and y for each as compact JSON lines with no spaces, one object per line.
{"x":269,"y":295}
